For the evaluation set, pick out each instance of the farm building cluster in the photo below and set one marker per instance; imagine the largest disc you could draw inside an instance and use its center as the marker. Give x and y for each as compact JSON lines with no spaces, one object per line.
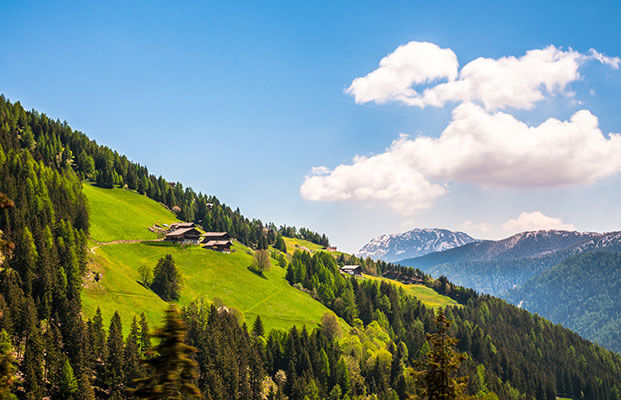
{"x":187,"y":233}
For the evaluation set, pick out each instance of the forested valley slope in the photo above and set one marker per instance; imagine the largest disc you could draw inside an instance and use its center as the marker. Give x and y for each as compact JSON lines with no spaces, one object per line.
{"x":371,"y":338}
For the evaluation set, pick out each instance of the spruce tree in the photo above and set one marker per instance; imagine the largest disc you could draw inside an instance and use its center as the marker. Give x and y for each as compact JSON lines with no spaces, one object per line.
{"x":114,"y":366}
{"x":437,"y":378}
{"x":68,"y":382}
{"x":7,"y":366}
{"x":171,"y":370}
{"x":257,"y":327}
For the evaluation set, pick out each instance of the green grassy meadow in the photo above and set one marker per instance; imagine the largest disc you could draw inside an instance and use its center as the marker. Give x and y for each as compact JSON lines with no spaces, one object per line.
{"x":426,"y":295}
{"x":119,"y":214}
{"x":207,"y":274}
{"x":300,"y":244}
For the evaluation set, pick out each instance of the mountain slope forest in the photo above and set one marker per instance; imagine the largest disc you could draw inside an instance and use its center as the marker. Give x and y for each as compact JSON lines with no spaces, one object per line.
{"x":581,"y":293}
{"x":50,"y":348}
{"x":494,"y":267}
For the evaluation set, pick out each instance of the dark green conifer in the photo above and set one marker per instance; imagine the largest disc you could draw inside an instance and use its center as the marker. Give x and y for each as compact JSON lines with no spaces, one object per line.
{"x":257,"y":327}
{"x":437,"y":376}
{"x":171,"y":371}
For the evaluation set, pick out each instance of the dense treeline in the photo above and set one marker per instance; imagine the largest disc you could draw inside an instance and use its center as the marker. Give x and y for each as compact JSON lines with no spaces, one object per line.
{"x":303,"y":233}
{"x":526,"y":352}
{"x":55,"y":143}
{"x":40,"y":281}
{"x":581,"y":293}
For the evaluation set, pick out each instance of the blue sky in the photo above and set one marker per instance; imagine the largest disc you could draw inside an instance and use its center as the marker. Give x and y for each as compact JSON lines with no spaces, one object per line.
{"x":253,"y":95}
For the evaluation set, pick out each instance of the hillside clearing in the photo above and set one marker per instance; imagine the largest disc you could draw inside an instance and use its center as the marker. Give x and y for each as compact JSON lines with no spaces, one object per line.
{"x":426,"y":295}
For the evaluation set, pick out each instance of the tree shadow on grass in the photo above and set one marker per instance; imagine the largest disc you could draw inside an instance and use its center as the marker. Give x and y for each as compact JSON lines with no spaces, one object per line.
{"x":255,"y":271}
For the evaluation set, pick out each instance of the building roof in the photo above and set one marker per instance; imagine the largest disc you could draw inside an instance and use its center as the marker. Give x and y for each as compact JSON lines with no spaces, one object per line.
{"x":215,"y":233}
{"x":177,"y":225}
{"x":350,"y":267}
{"x":181,"y":231}
{"x":218,"y":243}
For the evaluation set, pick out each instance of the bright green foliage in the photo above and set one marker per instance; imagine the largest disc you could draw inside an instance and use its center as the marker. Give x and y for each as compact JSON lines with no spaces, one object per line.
{"x":68,"y":382}
{"x":171,"y":371}
{"x":280,"y":244}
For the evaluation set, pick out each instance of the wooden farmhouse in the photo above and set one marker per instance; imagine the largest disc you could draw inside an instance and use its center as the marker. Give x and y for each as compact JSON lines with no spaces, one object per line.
{"x":354,"y":270}
{"x":219,"y":241}
{"x":184,"y":236}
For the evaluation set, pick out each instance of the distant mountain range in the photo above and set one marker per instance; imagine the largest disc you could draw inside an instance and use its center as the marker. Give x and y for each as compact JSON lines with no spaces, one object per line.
{"x":414,"y":243}
{"x":571,"y":278}
{"x":496,"y":266}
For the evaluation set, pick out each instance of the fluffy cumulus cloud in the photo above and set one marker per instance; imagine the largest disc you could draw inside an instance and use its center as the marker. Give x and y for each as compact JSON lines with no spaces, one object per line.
{"x":510,"y":81}
{"x":483,"y":144}
{"x":411,"y":64}
{"x":381,"y":178}
{"x":533,"y":221}
{"x":487,"y":149}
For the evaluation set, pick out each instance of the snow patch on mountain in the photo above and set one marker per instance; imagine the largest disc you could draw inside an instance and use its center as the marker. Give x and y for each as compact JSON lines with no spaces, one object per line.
{"x":414,"y":243}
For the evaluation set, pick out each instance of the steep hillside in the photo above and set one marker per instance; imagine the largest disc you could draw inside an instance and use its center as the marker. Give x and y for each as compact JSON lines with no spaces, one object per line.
{"x":118,"y":214}
{"x":206,"y":274}
{"x":581,"y":293}
{"x":497,"y":266}
{"x":414,"y":243}
{"x":424,"y":294}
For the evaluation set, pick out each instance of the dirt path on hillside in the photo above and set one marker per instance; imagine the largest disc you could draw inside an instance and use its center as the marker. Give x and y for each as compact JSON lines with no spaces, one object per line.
{"x":99,"y":244}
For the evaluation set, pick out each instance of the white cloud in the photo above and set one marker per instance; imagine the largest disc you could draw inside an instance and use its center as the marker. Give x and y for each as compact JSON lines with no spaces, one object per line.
{"x":496,"y":83}
{"x":487,"y":149}
{"x":534,"y":221}
{"x":410,"y":64}
{"x":475,"y":228}
{"x":381,"y":178}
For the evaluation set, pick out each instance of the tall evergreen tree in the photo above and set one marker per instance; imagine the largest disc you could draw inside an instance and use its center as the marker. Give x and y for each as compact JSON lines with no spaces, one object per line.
{"x":437,"y":377}
{"x":7,"y":366}
{"x":114,"y":366}
{"x":171,"y":371}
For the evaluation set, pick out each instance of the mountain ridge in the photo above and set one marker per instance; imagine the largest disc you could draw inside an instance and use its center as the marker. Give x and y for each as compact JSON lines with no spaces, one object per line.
{"x":413,"y":243}
{"x":495,"y":267}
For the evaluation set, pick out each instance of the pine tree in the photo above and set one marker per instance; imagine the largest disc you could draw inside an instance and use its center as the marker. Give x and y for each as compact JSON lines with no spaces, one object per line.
{"x":437,"y":378}
{"x":257,"y":327}
{"x":114,"y":366}
{"x":144,"y":339}
{"x":68,"y":382}
{"x":133,"y":369}
{"x":171,"y":371}
{"x":7,"y":366}
{"x":166,"y":280}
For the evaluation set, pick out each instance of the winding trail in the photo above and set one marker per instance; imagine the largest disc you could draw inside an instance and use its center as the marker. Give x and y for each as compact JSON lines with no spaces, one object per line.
{"x":99,"y":244}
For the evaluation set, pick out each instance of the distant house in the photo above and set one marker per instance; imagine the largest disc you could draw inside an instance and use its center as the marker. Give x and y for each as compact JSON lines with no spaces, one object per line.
{"x":354,"y":270}
{"x":188,"y":235}
{"x":330,"y":248}
{"x":180,"y":225}
{"x":219,"y":241}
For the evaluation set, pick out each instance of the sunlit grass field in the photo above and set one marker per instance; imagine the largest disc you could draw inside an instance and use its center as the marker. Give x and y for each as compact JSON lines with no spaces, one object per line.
{"x":206,"y":274}
{"x":426,"y":295}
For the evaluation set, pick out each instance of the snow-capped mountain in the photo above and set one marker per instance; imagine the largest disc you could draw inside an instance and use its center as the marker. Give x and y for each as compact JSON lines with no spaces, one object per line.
{"x":414,"y":243}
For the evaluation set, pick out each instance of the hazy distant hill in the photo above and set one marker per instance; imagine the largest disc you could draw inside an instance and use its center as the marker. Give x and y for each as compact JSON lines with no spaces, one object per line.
{"x":581,"y":293}
{"x":497,"y":266}
{"x":414,"y":243}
